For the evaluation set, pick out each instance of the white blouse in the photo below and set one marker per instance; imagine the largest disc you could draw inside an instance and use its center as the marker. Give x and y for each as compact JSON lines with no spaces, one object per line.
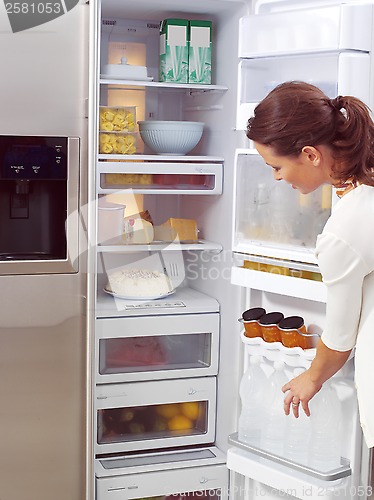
{"x":345,"y":252}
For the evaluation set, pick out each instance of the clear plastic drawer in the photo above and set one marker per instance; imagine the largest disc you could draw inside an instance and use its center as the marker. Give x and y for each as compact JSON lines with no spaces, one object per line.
{"x":157,"y":347}
{"x":159,"y":414}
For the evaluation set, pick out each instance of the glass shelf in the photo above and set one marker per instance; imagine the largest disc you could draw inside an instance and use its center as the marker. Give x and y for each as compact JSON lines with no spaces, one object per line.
{"x":135,"y":84}
{"x":156,"y":246}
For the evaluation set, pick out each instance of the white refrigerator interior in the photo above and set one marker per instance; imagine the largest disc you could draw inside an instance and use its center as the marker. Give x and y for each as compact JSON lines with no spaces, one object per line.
{"x":165,"y":370}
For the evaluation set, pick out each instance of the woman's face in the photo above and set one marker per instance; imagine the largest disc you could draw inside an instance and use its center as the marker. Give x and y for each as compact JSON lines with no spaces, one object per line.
{"x":305,"y":172}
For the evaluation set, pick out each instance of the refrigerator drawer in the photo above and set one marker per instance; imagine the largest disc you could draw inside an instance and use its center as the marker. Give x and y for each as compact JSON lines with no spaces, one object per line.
{"x":156,"y":347}
{"x":159,"y":414}
{"x":193,"y":473}
{"x":154,"y":177}
{"x":304,"y":30}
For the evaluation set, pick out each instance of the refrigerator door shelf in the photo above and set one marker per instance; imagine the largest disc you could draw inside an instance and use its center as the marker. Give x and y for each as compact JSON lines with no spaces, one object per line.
{"x":271,"y":218}
{"x":337,"y":73}
{"x":332,"y":475}
{"x":271,"y":480}
{"x":281,"y":481}
{"x":275,"y":351}
{"x":279,"y":284}
{"x":314,"y":29}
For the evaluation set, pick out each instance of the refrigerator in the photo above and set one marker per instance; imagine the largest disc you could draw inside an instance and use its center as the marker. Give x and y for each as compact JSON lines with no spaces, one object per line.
{"x":154,"y":358}
{"x":44,"y":416}
{"x":242,"y":258}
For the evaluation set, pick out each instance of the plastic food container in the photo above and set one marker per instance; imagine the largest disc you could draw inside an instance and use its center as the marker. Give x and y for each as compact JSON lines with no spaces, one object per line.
{"x":118,"y":143}
{"x":250,"y":320}
{"x":294,"y":333}
{"x":269,"y":326}
{"x":110,"y":222}
{"x":117,"y":118}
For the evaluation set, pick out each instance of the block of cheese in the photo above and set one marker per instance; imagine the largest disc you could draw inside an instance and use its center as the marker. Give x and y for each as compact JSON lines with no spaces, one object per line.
{"x":137,"y":231}
{"x":177,"y":229}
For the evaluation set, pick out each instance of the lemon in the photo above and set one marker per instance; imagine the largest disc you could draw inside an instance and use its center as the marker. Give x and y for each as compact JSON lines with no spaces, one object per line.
{"x":180,"y":423}
{"x":190,"y":409}
{"x":168,"y":410}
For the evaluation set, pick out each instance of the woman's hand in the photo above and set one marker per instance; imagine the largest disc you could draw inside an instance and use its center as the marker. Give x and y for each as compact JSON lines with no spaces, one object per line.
{"x":300,"y":390}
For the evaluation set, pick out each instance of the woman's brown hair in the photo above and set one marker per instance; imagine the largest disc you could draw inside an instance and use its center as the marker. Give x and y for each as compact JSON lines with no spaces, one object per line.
{"x":297,"y":114}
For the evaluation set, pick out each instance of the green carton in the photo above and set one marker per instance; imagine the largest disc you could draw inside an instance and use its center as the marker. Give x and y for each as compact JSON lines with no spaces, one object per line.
{"x":200,"y":52}
{"x":174,"y":50}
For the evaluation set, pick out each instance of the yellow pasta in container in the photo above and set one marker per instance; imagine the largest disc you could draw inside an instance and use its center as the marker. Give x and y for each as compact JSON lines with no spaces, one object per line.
{"x":117,"y":118}
{"x":117,"y":143}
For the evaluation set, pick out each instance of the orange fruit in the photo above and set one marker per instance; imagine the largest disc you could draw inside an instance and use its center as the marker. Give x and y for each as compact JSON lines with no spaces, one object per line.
{"x":180,"y":423}
{"x":168,"y":410}
{"x":190,"y":409}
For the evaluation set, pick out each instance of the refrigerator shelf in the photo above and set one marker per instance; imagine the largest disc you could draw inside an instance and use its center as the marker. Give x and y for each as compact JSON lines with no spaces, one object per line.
{"x":333,"y":475}
{"x":157,"y":246}
{"x":140,"y":84}
{"x":274,"y":351}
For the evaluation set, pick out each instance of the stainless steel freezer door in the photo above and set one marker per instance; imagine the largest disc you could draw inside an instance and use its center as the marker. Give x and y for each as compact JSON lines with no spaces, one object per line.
{"x":42,"y":388}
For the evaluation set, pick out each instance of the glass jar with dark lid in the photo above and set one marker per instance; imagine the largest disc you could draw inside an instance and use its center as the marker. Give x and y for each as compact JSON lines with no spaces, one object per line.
{"x":294,"y":333}
{"x":250,"y":319}
{"x":269,"y":326}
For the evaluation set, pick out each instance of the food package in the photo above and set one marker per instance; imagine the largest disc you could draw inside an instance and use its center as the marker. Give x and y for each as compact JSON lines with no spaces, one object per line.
{"x":177,"y":229}
{"x":124,"y":179}
{"x":117,"y":119}
{"x":137,"y":231}
{"x":118,"y":143}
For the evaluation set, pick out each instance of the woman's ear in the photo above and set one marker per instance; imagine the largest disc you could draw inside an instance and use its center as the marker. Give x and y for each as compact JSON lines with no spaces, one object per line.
{"x":312,"y":154}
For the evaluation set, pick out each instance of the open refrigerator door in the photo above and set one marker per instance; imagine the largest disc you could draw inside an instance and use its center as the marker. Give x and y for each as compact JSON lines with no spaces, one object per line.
{"x":273,"y":240}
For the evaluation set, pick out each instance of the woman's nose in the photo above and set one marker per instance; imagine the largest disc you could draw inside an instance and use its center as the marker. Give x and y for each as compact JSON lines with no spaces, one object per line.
{"x":277,"y":176}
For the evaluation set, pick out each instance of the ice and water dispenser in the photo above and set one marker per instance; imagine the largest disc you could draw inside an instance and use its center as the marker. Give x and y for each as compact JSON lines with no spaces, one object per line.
{"x":38,"y":202}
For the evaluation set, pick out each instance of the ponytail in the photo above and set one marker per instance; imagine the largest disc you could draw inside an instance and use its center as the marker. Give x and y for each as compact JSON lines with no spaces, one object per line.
{"x":297,"y":114}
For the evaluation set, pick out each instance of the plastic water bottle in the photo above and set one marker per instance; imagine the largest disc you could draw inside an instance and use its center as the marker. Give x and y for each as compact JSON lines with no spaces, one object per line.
{"x":251,"y":392}
{"x":298,"y":432}
{"x":325,"y":442}
{"x":275,"y":420}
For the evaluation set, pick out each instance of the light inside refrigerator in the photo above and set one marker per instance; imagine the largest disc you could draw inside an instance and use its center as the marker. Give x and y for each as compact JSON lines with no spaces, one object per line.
{"x":159,"y":421}
{"x":271,"y":214}
{"x":154,"y":353}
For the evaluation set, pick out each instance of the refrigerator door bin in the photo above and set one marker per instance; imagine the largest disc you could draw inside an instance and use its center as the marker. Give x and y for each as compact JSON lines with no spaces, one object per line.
{"x":259,"y":477}
{"x":160,"y":414}
{"x":335,"y":76}
{"x":272,"y":219}
{"x":332,"y":475}
{"x":156,"y":347}
{"x":165,"y":476}
{"x":277,"y":283}
{"x":161,"y":177}
{"x":318,"y":29}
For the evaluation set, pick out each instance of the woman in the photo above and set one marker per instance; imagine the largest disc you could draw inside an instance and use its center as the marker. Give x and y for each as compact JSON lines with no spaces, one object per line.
{"x":310,"y":140}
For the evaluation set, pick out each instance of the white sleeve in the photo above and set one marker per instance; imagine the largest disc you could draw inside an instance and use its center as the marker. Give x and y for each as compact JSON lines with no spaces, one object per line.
{"x":343,"y":273}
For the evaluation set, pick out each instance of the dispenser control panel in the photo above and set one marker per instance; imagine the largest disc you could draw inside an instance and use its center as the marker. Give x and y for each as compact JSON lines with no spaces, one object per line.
{"x":33,"y":157}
